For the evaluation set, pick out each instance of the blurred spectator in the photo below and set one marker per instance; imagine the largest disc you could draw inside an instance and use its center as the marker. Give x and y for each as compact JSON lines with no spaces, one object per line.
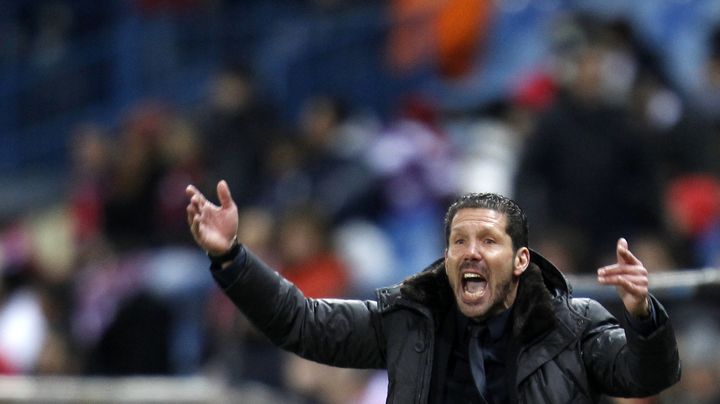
{"x":135,"y":342}
{"x":179,"y":151}
{"x":237,"y":129}
{"x":341,"y":183}
{"x":90,"y":159}
{"x":488,"y":145}
{"x":101,"y":287}
{"x":141,"y":313}
{"x":585,"y":167}
{"x":171,"y":278}
{"x":130,"y":209}
{"x":323,"y":167}
{"x":412,"y":159}
{"x":632,"y":54}
{"x":285,"y":184}
{"x":701,"y":143}
{"x":306,"y":255}
{"x":676,"y":136}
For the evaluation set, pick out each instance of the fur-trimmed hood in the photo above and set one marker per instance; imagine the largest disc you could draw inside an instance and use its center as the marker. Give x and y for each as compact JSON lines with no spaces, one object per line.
{"x":532,"y":313}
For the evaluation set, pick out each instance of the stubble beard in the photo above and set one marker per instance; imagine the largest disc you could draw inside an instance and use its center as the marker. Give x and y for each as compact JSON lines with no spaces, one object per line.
{"x":503,"y":297}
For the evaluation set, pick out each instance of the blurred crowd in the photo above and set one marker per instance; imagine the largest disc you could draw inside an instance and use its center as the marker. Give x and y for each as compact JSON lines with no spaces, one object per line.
{"x":596,"y":143}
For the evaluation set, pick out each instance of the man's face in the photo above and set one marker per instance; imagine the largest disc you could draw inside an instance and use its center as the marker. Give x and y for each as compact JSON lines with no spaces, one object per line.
{"x":480,"y":263}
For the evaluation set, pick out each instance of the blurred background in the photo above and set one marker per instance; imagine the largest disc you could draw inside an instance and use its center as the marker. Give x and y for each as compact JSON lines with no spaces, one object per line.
{"x":344,"y":128}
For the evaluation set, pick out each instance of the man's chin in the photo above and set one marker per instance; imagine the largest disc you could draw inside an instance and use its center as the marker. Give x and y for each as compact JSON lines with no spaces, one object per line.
{"x":473,"y":311}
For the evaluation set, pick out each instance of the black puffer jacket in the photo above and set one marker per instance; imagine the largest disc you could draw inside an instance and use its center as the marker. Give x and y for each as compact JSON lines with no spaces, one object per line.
{"x":569,"y":350}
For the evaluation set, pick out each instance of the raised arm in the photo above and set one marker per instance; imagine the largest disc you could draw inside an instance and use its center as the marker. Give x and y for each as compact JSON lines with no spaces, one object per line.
{"x":332,"y":331}
{"x":640,"y":359}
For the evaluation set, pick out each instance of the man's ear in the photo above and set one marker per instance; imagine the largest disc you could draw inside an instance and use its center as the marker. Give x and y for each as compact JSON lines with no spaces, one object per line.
{"x":522,"y":261}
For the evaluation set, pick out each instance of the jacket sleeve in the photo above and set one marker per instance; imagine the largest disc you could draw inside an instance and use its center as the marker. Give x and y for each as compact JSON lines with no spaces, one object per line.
{"x":624,"y":363}
{"x":345,"y":333}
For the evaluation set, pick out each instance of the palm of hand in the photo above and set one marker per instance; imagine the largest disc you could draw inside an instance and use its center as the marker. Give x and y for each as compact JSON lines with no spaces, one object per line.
{"x":217,"y":228}
{"x":213,"y":227}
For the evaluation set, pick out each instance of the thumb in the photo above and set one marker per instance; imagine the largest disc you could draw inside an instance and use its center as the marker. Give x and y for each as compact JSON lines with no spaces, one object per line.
{"x":223,"y":192}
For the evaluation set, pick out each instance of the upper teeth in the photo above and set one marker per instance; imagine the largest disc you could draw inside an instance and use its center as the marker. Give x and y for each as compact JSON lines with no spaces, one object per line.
{"x":471,"y":276}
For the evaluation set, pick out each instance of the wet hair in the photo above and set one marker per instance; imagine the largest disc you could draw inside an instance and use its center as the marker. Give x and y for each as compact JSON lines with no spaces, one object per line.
{"x":516,"y":224}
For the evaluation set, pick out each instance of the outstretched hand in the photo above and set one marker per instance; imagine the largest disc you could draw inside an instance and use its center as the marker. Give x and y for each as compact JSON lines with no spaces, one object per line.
{"x":213,"y":227}
{"x":630,"y":278}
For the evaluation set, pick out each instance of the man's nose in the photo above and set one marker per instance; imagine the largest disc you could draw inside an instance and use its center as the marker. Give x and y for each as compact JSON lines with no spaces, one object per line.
{"x":474,"y":251}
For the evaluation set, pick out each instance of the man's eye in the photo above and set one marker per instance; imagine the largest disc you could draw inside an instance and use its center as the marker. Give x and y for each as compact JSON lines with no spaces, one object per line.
{"x":459,"y":241}
{"x":489,"y":241}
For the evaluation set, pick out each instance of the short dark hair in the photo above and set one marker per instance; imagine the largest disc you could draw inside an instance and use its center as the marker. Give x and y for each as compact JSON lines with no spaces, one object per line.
{"x":516,"y":226}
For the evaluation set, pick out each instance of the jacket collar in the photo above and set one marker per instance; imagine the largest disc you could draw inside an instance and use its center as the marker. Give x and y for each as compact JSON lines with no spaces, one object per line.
{"x":532,"y":311}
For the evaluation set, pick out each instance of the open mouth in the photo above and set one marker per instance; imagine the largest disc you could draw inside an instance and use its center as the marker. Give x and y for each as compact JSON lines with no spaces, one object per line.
{"x":473,"y":285}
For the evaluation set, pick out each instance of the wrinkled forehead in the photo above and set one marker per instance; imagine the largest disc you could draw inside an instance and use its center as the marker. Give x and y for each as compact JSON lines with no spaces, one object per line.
{"x":480,"y":218}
